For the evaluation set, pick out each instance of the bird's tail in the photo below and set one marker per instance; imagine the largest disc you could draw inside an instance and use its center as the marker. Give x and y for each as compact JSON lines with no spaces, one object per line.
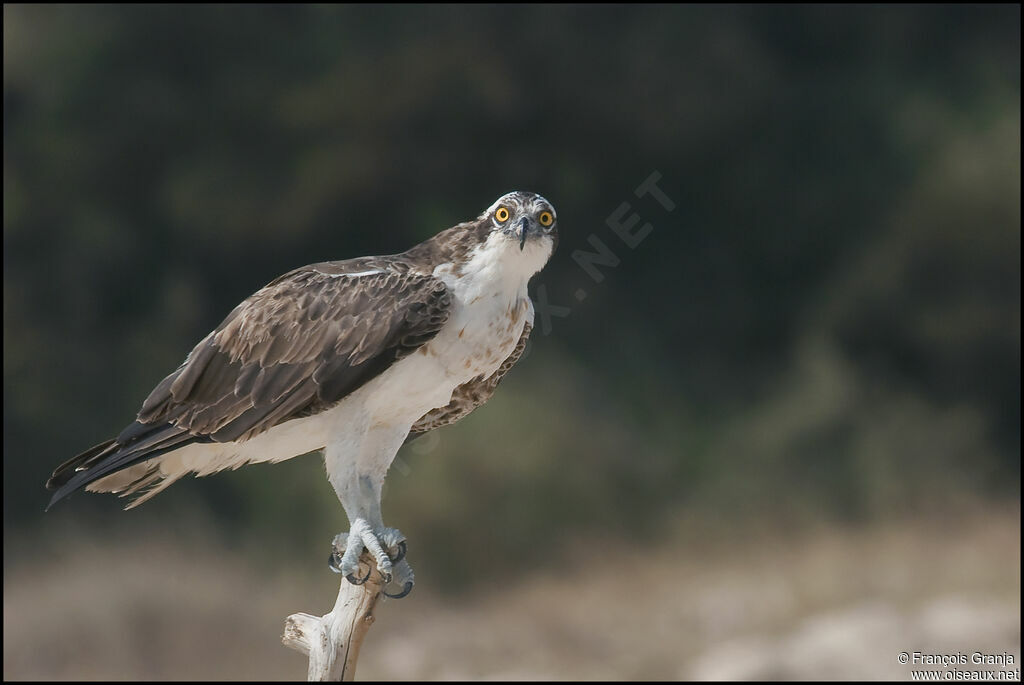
{"x":63,"y":473}
{"x":137,"y":443}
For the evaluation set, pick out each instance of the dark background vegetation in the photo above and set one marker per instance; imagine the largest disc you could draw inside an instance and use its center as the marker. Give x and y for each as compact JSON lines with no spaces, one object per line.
{"x":825,"y":330}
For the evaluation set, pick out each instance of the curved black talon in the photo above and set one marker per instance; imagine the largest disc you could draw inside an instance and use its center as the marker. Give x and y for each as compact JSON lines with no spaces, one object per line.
{"x":403,"y":593}
{"x":352,"y":578}
{"x":402,"y":549}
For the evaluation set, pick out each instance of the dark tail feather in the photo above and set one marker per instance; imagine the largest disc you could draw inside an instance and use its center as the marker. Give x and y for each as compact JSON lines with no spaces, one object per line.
{"x":136,"y":443}
{"x":63,"y":473}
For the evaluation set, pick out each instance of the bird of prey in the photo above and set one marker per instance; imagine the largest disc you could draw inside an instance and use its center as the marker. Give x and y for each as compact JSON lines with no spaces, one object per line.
{"x":354,"y":357}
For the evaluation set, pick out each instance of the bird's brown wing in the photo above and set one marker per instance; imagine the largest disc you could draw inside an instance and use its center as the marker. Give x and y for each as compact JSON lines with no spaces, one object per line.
{"x":294,"y":348}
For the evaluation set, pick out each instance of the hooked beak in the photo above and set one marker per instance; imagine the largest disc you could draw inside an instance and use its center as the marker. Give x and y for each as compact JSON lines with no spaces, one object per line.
{"x":524,"y":227}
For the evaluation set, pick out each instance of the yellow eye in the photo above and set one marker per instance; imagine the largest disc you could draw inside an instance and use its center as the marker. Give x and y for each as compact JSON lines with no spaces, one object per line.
{"x":501,"y":215}
{"x":546,"y":219}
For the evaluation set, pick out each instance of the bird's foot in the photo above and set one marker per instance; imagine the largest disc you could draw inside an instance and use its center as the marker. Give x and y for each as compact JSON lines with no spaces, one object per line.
{"x":387,"y":546}
{"x":404,"y":577}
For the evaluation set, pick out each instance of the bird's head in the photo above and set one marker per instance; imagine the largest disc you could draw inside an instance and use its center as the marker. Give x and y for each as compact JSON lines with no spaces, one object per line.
{"x":511,"y":239}
{"x":525,"y":218}
{"x":521,"y":227}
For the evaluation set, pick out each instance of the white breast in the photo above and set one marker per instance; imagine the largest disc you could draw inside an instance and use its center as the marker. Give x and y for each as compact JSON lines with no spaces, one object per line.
{"x":490,"y":306}
{"x":480,"y":334}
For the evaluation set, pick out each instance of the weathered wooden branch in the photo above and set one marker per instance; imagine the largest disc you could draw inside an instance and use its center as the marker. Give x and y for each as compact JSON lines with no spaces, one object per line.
{"x":332,"y":641}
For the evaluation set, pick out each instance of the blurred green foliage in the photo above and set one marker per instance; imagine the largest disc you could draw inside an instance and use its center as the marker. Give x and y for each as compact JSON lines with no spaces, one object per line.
{"x":827,"y":326}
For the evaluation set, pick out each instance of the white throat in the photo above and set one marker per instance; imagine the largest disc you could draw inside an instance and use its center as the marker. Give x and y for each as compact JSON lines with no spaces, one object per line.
{"x":496,"y":267}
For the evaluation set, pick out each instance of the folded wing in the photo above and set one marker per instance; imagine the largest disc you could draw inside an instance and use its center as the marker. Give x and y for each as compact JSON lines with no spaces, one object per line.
{"x":295,"y":348}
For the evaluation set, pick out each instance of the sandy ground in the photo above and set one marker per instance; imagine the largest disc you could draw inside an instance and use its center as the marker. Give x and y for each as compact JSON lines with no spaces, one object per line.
{"x":837,"y":604}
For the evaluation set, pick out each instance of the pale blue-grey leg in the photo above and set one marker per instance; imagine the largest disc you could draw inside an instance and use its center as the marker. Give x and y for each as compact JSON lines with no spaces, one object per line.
{"x":356,"y":469}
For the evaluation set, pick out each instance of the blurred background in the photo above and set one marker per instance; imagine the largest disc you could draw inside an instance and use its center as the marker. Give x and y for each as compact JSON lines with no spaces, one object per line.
{"x":779,"y":438}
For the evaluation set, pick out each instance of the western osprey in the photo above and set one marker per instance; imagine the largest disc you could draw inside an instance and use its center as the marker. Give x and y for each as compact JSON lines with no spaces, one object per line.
{"x":354,"y":357}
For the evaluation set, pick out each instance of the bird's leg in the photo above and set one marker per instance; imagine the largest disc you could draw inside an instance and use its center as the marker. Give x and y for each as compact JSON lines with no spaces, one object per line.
{"x":357,"y":469}
{"x":360,"y":495}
